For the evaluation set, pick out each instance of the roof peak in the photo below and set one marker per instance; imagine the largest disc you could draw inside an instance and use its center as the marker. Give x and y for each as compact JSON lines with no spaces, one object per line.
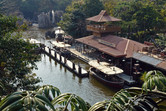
{"x":103,"y":17}
{"x":103,"y":13}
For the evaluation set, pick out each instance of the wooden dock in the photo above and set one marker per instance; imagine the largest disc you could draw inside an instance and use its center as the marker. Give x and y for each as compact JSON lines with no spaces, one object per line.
{"x":79,"y":71}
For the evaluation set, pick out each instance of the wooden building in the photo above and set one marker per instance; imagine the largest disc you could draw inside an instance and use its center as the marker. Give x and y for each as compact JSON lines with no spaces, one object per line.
{"x":124,"y":53}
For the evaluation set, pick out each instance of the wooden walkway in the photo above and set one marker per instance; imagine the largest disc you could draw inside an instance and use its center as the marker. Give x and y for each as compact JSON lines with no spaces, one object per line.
{"x":79,"y":71}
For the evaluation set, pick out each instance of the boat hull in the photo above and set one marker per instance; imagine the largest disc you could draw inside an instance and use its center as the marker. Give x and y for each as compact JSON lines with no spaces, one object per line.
{"x":118,"y":84}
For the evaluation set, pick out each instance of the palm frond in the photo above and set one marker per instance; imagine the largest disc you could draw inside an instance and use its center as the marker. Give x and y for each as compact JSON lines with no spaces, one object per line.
{"x":118,"y":102}
{"x":49,"y":91}
{"x":25,"y":101}
{"x":75,"y":102}
{"x":154,"y":79}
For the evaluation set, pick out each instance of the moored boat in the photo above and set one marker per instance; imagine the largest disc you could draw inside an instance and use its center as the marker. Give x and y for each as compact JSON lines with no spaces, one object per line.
{"x":109,"y":80}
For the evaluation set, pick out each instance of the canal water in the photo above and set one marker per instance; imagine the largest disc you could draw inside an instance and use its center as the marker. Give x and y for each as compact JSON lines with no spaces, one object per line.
{"x":53,"y":73}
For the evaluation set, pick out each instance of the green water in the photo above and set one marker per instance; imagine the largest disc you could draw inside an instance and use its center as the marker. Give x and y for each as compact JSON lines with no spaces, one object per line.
{"x":55,"y":74}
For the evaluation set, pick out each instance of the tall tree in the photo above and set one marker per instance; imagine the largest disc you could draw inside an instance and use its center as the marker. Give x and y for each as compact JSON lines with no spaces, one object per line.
{"x":74,"y":20}
{"x":141,"y":19}
{"x":92,"y":7}
{"x":17,"y":58}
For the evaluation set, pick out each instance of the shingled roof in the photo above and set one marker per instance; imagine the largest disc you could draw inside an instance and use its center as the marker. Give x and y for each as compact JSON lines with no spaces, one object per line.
{"x":122,"y":47}
{"x":103,"y":17}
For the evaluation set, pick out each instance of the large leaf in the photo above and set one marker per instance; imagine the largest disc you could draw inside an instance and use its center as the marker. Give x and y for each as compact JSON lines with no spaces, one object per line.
{"x":49,"y":91}
{"x":25,"y":101}
{"x":154,"y":79}
{"x":118,"y":102}
{"x":75,"y":102}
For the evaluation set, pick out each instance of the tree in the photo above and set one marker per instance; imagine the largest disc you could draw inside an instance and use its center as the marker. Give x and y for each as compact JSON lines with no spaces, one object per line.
{"x":17,"y":58}
{"x":74,"y":20}
{"x":109,"y":5}
{"x":148,"y":18}
{"x":7,"y":24}
{"x":92,"y":7}
{"x":141,"y":19}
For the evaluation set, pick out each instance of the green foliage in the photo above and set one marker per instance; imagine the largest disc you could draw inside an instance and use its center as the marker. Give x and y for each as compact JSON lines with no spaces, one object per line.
{"x":154,"y":80}
{"x":117,"y":102}
{"x":148,"y":18}
{"x":92,"y":7}
{"x":49,"y":91}
{"x":141,"y":19}
{"x":132,"y":99}
{"x":24,"y":101}
{"x":74,"y":20}
{"x":126,"y":100}
{"x":17,"y":58}
{"x":75,"y":102}
{"x":109,"y":5}
{"x":7,"y":24}
{"x":161,"y":40}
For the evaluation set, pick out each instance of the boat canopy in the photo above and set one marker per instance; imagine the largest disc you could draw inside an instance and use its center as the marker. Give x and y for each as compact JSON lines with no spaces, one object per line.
{"x":60,"y":44}
{"x":106,"y":67}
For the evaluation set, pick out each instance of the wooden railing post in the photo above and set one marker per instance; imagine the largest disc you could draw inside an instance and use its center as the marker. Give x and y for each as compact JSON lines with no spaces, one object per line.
{"x":60,"y":57}
{"x":79,"y":70}
{"x":74,"y":66}
{"x":55,"y":54}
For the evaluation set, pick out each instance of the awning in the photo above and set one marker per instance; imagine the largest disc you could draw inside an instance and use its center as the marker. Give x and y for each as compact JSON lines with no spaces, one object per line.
{"x":147,"y":59}
{"x":60,"y":44}
{"x":105,"y":68}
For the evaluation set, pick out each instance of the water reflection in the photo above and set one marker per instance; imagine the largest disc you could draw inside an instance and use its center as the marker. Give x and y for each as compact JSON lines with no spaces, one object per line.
{"x":55,"y":74}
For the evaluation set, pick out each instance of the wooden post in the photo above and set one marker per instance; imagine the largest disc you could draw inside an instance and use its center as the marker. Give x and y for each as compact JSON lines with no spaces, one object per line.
{"x":74,"y":66}
{"x":60,"y":58}
{"x":65,"y":60}
{"x":79,"y":70}
{"x":55,"y":54}
{"x":49,"y":51}
{"x":44,"y":48}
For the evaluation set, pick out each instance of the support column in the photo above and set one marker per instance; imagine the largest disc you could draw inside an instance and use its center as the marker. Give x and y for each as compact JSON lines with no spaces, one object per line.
{"x":55,"y":54}
{"x":60,"y":57}
{"x":49,"y":50}
{"x":74,"y":66}
{"x":65,"y":60}
{"x":79,"y":70}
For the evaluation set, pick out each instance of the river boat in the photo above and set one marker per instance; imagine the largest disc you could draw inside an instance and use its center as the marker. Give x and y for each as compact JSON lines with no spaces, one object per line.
{"x":107,"y":79}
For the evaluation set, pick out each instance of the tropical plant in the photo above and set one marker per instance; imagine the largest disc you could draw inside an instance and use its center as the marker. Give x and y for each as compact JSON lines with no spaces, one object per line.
{"x":137,"y":99}
{"x":154,"y":80}
{"x":39,"y":100}
{"x":49,"y":91}
{"x":126,"y":100}
{"x":132,"y":99}
{"x":76,"y":103}
{"x":24,"y":101}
